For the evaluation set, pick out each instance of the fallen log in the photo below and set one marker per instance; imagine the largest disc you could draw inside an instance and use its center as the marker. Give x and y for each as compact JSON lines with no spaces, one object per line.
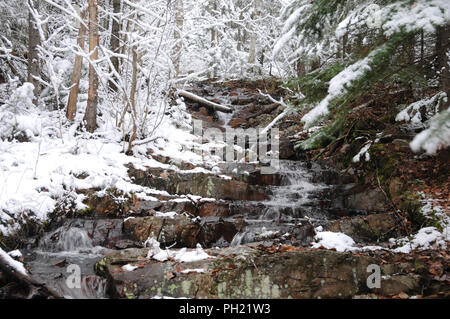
{"x":204,"y":102}
{"x":20,"y":285}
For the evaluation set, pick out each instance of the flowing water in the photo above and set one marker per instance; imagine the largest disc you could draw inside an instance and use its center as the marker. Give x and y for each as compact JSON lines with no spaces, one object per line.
{"x":294,"y":208}
{"x":65,"y":259}
{"x":296,"y":202}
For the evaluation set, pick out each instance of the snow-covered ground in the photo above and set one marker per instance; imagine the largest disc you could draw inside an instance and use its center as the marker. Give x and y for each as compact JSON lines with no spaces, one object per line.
{"x":55,"y":160}
{"x":425,"y":238}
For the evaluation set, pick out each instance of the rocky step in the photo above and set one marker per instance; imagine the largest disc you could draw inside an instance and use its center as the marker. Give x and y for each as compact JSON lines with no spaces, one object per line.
{"x":245,"y":272}
{"x":201,"y":184}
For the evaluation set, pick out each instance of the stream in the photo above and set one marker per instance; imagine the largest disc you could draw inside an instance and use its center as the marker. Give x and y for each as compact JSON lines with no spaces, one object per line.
{"x":297,"y":204}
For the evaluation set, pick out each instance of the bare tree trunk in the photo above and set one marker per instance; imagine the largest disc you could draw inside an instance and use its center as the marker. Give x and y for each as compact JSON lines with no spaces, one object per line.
{"x":253,"y":38}
{"x":301,"y":68}
{"x":344,"y":45}
{"x":442,"y":48}
{"x":115,"y":43}
{"x":76,"y":75}
{"x":177,"y":35}
{"x":213,"y":31}
{"x":34,"y":41}
{"x":239,"y":35}
{"x":422,"y":47}
{"x":133,"y":98}
{"x":90,"y":118}
{"x":214,"y":38}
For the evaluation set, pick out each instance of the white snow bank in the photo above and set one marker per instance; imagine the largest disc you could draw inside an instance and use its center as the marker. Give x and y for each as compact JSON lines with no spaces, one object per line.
{"x":15,"y":253}
{"x":47,"y":171}
{"x":16,"y":265}
{"x":426,"y":238}
{"x":329,"y":240}
{"x":182,"y":255}
{"x":190,"y":256}
{"x":129,"y":267}
{"x":170,"y":215}
{"x":412,"y":113}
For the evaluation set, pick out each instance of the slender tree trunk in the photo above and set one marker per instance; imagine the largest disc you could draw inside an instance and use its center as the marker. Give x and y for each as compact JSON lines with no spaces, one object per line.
{"x":90,"y":117}
{"x":213,"y":30}
{"x":344,"y":45}
{"x":442,"y":49}
{"x":76,"y":75}
{"x":422,"y":47}
{"x":214,"y":39}
{"x":239,"y":35}
{"x":115,"y":44}
{"x":177,"y":35}
{"x":253,"y":38}
{"x":301,"y":68}
{"x":133,"y":97}
{"x":34,"y":41}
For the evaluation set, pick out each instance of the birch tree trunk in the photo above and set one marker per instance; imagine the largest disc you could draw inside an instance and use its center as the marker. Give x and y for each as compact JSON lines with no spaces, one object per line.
{"x":76,"y":75}
{"x":90,"y":118}
{"x":253,"y":38}
{"x":34,"y":41}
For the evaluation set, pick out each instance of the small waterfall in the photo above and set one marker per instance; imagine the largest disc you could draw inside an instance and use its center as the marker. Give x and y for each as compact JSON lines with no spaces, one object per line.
{"x":69,"y":245}
{"x":290,"y":206}
{"x":66,"y":238}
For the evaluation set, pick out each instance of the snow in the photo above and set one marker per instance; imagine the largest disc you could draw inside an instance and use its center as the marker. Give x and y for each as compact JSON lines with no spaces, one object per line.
{"x":267,"y":233}
{"x":170,"y":215}
{"x":436,"y":137}
{"x":15,"y":253}
{"x":190,"y":256}
{"x":57,"y":162}
{"x":424,"y":15}
{"x":129,"y":267}
{"x":16,"y":265}
{"x":330,"y":240}
{"x":338,"y":86}
{"x":183,"y":255}
{"x":424,"y":239}
{"x":363,"y":152}
{"x":412,"y":113}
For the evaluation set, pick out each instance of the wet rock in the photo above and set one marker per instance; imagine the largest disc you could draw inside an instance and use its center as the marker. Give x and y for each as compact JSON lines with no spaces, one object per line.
{"x":241,"y":272}
{"x":286,"y":149}
{"x":182,"y":231}
{"x":179,"y":230}
{"x":394,"y":285}
{"x":216,"y":230}
{"x":205,"y":185}
{"x":396,"y":188}
{"x":218,"y":209}
{"x":237,"y":123}
{"x":371,"y":228}
{"x":355,"y":199}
